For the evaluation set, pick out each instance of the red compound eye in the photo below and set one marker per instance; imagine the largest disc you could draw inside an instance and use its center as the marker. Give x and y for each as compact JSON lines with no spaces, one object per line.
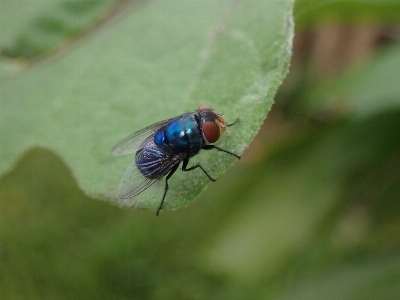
{"x":211,"y":131}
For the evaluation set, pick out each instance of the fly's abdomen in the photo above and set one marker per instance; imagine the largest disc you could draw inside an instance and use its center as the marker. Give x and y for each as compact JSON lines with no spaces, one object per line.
{"x":150,"y":162}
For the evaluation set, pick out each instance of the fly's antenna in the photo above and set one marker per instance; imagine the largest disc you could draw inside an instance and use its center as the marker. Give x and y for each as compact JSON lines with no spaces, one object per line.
{"x":231,"y":124}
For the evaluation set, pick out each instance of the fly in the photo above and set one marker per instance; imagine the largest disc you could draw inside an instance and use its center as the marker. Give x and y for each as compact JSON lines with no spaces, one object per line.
{"x":161,"y":147}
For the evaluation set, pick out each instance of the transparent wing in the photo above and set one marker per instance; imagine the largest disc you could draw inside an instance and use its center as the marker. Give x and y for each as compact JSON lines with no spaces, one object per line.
{"x":133,"y":182}
{"x":133,"y":142}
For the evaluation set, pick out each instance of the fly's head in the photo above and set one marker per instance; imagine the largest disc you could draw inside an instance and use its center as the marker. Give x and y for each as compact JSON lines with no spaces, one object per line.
{"x":212,"y":124}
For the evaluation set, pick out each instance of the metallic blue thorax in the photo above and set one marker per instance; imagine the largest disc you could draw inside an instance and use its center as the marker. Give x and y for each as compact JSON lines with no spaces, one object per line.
{"x":180,"y":138}
{"x":181,"y":133}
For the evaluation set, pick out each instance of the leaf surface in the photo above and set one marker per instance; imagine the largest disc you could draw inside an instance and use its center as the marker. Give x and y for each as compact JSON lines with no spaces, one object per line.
{"x":154,"y":62}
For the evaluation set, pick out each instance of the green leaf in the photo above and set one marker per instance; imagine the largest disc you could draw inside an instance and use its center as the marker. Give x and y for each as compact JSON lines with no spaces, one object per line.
{"x":153,"y":63}
{"x":309,"y":13}
{"x":44,"y":25}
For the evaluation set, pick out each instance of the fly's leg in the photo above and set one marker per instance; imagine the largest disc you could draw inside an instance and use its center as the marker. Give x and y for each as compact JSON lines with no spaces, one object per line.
{"x":166,"y":187}
{"x":211,"y":147}
{"x":185,"y":163}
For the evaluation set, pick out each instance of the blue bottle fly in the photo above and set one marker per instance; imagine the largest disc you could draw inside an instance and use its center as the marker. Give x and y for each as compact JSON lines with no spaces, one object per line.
{"x":161,"y":147}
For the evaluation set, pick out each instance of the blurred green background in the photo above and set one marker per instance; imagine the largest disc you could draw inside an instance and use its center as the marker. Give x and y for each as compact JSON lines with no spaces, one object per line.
{"x":312,"y":211}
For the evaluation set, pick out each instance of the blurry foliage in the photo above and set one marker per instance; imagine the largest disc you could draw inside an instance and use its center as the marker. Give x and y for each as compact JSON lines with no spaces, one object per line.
{"x":312,"y":13}
{"x":359,"y":91}
{"x":49,"y":24}
{"x":311,"y":212}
